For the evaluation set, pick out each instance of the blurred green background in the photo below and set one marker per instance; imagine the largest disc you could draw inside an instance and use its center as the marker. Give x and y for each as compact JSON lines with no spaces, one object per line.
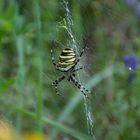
{"x":110,"y":30}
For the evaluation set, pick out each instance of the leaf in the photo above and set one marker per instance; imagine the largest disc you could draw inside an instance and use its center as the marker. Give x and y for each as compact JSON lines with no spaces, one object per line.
{"x":5,"y":84}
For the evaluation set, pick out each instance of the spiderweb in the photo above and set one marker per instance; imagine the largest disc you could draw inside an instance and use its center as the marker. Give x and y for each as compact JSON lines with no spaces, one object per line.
{"x":67,"y":24}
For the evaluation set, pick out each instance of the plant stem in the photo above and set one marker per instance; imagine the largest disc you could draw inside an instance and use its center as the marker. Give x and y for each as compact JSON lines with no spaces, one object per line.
{"x":19,"y":41}
{"x":39,"y":55}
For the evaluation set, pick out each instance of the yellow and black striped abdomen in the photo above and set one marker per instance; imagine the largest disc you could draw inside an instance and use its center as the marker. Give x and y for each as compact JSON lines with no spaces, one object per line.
{"x":67,"y":59}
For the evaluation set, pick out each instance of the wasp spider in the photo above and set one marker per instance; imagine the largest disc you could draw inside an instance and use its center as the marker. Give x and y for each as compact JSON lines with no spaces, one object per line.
{"x":67,"y":63}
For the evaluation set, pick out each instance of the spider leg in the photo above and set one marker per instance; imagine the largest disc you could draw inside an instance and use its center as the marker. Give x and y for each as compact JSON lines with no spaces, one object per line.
{"x":53,"y":61}
{"x":80,"y":56}
{"x":56,"y":82}
{"x":56,"y":44}
{"x":77,"y":69}
{"x":77,"y":84}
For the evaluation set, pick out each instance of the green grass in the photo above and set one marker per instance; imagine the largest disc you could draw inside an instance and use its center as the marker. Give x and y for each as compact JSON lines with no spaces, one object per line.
{"x":20,"y":78}
{"x":72,"y":132}
{"x":110,"y":30}
{"x":39,"y":56}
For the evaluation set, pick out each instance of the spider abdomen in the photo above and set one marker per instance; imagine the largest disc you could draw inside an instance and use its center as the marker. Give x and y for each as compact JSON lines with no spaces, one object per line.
{"x":67,"y":59}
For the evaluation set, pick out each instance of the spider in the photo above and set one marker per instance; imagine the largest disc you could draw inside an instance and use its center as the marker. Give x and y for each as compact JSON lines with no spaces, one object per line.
{"x":67,"y":63}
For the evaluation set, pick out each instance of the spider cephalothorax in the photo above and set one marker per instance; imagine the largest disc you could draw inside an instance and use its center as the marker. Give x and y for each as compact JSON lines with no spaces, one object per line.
{"x":67,"y":63}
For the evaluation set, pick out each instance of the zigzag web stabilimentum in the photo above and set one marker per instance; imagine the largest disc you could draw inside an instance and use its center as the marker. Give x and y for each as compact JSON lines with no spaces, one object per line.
{"x":67,"y":24}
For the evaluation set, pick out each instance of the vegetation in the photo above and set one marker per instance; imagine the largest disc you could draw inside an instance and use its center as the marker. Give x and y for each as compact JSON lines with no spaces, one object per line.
{"x":28,"y":101}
